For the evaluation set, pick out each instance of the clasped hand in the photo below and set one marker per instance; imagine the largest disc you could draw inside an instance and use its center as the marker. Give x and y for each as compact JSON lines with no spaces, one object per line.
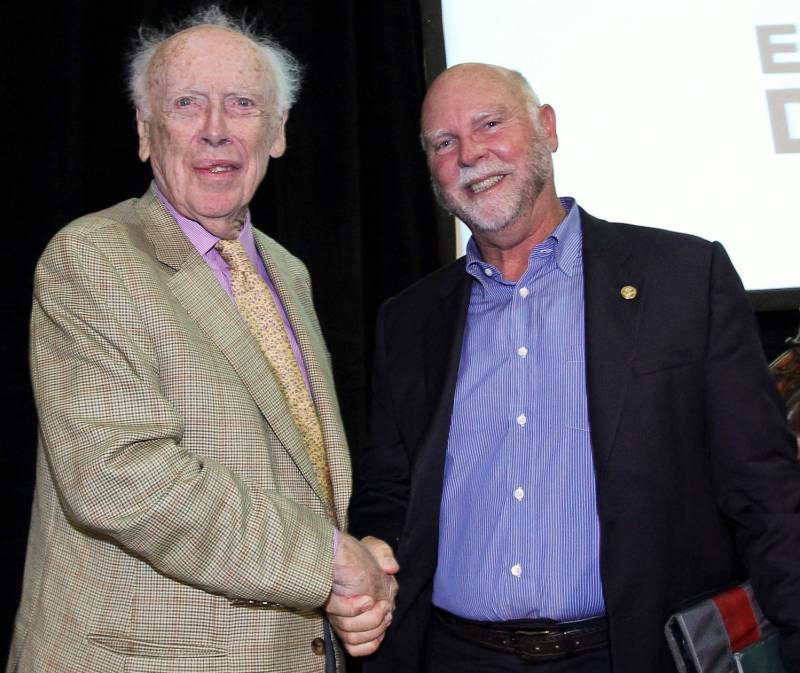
{"x":362,"y":599}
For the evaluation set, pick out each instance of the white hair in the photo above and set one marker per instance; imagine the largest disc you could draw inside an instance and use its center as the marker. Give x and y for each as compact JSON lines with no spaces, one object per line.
{"x":285,"y":68}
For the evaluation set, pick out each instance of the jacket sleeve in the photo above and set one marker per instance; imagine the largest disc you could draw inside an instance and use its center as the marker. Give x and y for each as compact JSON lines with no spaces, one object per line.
{"x":755,"y":473}
{"x":113,"y":444}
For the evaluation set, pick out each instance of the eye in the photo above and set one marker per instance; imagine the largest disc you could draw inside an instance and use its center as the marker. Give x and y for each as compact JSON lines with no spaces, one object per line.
{"x":442,"y":144}
{"x":243,"y":105}
{"x":491,"y":124}
{"x":184,"y":101}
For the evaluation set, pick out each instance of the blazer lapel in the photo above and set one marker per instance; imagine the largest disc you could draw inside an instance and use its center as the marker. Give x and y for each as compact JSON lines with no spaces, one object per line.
{"x":320,"y":377}
{"x":197,"y":289}
{"x":444,"y":336}
{"x":612,"y":323}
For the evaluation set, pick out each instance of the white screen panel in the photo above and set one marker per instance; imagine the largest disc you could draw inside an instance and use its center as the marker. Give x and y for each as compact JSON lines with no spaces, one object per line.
{"x":663,"y":111}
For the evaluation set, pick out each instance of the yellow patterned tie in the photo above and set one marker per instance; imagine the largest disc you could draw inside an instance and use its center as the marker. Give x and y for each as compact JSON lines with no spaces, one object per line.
{"x":257,"y":306}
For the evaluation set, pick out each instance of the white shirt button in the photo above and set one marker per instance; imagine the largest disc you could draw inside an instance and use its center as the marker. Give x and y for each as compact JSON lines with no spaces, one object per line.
{"x":522,"y":352}
{"x":488,"y":271}
{"x":522,"y":419}
{"x":516,"y":570}
{"x":519,"y":494}
{"x":524,"y":292}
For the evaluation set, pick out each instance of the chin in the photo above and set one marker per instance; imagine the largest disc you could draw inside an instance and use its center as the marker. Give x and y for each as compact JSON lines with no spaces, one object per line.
{"x":488,"y":227}
{"x":487,"y":222}
{"x":218,"y":208}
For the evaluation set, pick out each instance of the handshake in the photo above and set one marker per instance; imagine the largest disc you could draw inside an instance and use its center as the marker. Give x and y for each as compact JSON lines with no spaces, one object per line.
{"x":362,"y":599}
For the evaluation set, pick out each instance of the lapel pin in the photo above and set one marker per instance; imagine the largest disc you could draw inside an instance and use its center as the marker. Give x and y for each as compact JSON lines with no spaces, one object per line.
{"x":629,"y":292}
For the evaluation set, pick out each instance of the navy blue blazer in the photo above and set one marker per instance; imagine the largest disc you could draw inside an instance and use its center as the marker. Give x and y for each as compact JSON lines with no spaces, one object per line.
{"x":697,"y":483}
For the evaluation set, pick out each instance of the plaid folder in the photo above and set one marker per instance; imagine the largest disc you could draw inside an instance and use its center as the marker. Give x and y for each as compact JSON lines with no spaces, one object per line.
{"x":726,"y":633}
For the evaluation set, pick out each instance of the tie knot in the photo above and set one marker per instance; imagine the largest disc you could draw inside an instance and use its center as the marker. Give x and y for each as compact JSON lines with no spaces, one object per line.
{"x":233,"y":253}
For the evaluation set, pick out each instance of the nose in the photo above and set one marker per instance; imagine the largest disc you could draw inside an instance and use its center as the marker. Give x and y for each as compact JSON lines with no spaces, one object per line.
{"x":215,"y":127}
{"x":470,"y":151}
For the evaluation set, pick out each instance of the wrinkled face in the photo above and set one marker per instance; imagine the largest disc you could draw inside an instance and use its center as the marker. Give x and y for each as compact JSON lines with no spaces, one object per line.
{"x":488,"y":161}
{"x":213,"y":125}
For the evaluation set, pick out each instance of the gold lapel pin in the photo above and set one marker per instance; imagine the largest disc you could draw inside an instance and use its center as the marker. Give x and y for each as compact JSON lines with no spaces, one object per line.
{"x":629,"y":292}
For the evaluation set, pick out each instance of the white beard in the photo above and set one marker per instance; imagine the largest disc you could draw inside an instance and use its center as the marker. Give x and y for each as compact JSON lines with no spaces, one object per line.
{"x":495,"y":212}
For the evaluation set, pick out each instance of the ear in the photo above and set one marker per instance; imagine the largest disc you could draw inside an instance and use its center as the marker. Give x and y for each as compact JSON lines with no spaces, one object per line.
{"x":143,"y":129}
{"x":279,"y":141}
{"x":547,"y":119}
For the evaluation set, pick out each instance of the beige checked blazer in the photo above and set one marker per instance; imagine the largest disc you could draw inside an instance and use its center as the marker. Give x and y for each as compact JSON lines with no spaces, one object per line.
{"x":171,"y":480}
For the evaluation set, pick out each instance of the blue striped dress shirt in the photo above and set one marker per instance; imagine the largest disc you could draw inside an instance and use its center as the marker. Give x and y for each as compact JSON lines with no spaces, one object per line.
{"x":519,"y":533}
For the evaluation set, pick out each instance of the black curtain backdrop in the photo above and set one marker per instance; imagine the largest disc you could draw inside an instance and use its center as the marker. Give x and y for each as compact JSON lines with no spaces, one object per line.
{"x":350,"y":197}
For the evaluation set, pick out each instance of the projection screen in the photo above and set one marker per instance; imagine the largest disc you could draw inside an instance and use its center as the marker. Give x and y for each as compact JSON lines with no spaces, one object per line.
{"x":681,"y":115}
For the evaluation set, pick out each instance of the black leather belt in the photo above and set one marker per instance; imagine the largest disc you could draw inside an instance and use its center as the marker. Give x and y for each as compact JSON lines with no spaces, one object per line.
{"x":535,"y":642}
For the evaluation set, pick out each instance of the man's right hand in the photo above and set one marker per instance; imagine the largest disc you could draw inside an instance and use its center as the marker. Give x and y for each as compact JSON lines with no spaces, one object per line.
{"x":362,"y":600}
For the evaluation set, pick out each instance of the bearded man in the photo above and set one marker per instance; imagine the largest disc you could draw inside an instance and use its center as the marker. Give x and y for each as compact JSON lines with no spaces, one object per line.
{"x":574,"y":433}
{"x":193,"y":476}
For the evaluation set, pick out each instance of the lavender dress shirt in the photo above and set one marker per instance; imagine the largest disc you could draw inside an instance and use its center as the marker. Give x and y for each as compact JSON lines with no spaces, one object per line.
{"x":204,"y":242}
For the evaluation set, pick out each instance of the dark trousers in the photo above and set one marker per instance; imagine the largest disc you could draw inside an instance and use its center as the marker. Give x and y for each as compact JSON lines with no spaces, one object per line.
{"x":447,"y":653}
{"x":330,"y":654}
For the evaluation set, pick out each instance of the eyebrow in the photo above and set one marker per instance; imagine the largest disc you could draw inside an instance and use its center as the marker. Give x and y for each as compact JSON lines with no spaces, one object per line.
{"x":491,"y":112}
{"x":252,"y":93}
{"x":430,"y":136}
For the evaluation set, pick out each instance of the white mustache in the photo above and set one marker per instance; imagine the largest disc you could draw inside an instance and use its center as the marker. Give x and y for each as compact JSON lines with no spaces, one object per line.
{"x":471,"y":174}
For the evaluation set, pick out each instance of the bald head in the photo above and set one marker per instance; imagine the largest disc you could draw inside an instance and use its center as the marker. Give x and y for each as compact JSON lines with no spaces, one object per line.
{"x":458,"y":78}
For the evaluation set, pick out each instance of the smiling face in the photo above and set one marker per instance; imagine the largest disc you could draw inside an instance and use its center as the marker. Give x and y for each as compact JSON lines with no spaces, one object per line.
{"x":489,"y":162}
{"x":213,"y":127}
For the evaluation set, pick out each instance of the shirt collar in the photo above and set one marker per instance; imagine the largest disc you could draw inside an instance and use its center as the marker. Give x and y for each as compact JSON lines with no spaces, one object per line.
{"x":566,"y":241}
{"x":569,"y":238}
{"x":202,"y":239}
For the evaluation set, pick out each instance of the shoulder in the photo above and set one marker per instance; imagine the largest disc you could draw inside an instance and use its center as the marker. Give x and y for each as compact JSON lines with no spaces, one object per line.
{"x":105,"y":228}
{"x":655,"y":247}
{"x":597,"y":228}
{"x":426,"y":294}
{"x":107,"y":220}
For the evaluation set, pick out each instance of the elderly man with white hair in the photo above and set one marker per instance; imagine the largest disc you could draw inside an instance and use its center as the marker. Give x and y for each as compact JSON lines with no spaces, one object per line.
{"x":193,"y":475}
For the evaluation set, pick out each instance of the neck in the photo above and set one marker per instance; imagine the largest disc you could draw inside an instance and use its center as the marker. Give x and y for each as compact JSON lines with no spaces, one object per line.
{"x":509,"y":249}
{"x":227,"y":226}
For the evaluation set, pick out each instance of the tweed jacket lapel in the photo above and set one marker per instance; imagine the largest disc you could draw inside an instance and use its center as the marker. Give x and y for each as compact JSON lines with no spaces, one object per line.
{"x":612,"y":324}
{"x":197,"y":289}
{"x":318,"y":368}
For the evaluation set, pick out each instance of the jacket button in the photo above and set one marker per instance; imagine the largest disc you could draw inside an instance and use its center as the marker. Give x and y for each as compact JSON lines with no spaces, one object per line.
{"x":318,"y":646}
